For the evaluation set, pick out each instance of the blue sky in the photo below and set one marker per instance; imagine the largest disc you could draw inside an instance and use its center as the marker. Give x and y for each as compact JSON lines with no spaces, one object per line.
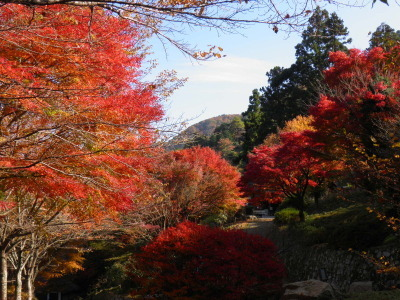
{"x":223,"y":86}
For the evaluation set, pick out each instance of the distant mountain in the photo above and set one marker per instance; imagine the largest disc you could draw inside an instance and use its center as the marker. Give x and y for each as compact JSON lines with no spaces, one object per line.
{"x":208,"y":126}
{"x":204,"y":128}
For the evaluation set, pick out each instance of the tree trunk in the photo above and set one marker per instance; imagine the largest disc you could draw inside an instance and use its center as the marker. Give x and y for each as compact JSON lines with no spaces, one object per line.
{"x":18,"y":285}
{"x":301,"y":209}
{"x":29,"y":286}
{"x":4,"y":274}
{"x":301,"y":215}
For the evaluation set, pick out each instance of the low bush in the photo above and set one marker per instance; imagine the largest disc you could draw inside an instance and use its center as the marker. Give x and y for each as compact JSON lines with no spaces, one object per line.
{"x":215,"y":220}
{"x":192,"y":261}
{"x":287,"y":216}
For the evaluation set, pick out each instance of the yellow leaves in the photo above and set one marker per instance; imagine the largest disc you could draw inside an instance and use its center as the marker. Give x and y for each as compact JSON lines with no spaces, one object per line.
{"x":300,"y":123}
{"x":392,"y":222}
{"x":72,"y":20}
{"x":389,"y":270}
{"x":396,"y":145}
{"x":52,"y":112}
{"x":213,"y":52}
{"x":271,"y":140}
{"x":206,"y":55}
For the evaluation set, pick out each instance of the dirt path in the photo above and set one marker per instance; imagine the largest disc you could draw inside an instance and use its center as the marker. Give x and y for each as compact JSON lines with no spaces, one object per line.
{"x":266,"y":227}
{"x":263,"y":227}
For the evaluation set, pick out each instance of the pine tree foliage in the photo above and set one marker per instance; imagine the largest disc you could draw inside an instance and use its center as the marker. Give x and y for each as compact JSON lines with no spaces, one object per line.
{"x":291,"y":91}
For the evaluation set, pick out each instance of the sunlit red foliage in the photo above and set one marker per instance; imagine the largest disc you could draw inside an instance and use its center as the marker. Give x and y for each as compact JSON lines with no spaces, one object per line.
{"x":72,"y":106}
{"x":287,"y":170}
{"x":358,"y":118}
{"x":191,"y":261}
{"x":190,"y":184}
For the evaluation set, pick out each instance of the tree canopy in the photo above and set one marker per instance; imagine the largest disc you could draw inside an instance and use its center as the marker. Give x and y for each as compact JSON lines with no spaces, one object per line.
{"x":168,"y":19}
{"x":358,"y":118}
{"x":75,"y":122}
{"x":189,"y":184}
{"x":292,"y":90}
{"x":385,"y":37}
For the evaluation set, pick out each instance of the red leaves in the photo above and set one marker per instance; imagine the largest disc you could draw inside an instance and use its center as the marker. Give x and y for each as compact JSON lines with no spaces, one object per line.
{"x":286,"y":170}
{"x":356,"y":125}
{"x":193,"y":184}
{"x":364,"y":90}
{"x":208,"y":263}
{"x":358,"y":118}
{"x":74,"y":115}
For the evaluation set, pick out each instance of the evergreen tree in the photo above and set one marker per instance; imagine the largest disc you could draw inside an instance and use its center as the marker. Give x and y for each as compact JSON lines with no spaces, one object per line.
{"x":292,"y":90}
{"x":228,"y":140}
{"x":325,"y":33}
{"x":385,"y":37}
{"x":252,"y":119}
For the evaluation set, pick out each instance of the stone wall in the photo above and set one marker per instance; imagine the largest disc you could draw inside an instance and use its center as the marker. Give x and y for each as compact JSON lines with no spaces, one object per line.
{"x":341,"y":267}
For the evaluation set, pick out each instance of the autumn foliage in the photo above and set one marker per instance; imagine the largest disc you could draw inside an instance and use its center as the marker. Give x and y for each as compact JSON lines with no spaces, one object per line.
{"x":190,"y":184}
{"x":354,"y":133}
{"x":72,"y":106}
{"x":358,"y":118}
{"x":75,"y":127}
{"x":288,"y":170}
{"x":191,"y":261}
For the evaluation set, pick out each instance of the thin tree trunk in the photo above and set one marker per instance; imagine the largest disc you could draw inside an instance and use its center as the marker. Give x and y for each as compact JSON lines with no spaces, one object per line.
{"x":29,"y":285}
{"x":301,"y":215}
{"x":301,"y":209}
{"x":4,"y":274}
{"x":18,"y":287}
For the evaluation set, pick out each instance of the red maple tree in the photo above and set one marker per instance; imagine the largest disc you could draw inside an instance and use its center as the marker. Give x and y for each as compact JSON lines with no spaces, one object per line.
{"x":189,"y":184}
{"x":358,"y":118}
{"x":72,"y":107}
{"x":75,"y":120}
{"x":287,"y":170}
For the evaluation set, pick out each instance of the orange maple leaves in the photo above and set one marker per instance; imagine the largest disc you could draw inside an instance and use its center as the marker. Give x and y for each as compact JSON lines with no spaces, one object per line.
{"x":72,"y":104}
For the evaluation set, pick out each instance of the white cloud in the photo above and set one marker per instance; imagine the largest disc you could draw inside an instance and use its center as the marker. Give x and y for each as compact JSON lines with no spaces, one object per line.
{"x":218,"y":87}
{"x":230,"y":69}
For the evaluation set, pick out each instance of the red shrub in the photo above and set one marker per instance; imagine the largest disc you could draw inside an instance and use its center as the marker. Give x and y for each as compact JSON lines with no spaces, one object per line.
{"x":191,"y":261}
